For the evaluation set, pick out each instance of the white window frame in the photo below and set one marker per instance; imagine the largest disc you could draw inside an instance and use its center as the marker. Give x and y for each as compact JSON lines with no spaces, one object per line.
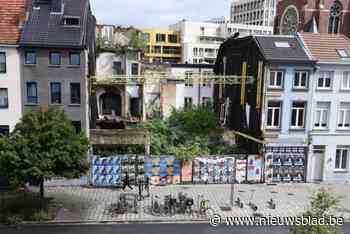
{"x":189,"y":79}
{"x":343,"y":115}
{"x":274,"y":109}
{"x":343,"y":150}
{"x":345,"y":79}
{"x":298,"y":110}
{"x":300,"y":75}
{"x":322,"y":76}
{"x":322,"y":111}
{"x":274,"y":85}
{"x":188,"y":98}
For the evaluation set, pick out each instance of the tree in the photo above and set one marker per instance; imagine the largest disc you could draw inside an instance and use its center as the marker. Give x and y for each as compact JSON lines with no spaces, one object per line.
{"x":323,"y":204}
{"x":43,"y":145}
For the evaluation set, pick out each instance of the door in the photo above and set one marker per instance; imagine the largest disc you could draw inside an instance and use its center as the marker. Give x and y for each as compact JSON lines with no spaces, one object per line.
{"x":317,"y":162}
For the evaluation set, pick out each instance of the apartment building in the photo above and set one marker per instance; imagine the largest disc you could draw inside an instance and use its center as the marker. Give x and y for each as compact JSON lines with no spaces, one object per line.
{"x":10,"y":64}
{"x":57,"y":56}
{"x":329,"y":126}
{"x":163,"y":46}
{"x":201,"y":40}
{"x":253,"y":12}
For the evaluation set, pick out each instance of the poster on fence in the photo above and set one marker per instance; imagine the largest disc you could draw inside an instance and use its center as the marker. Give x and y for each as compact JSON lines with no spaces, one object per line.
{"x":186,"y":172}
{"x":241,"y":168}
{"x":110,"y":171}
{"x":213,"y":170}
{"x":285,"y":164}
{"x":162,"y":170}
{"x":106,"y":171}
{"x":255,"y":167}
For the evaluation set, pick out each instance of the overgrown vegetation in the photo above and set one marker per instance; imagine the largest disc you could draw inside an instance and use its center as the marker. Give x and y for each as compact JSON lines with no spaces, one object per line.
{"x":323,"y":206}
{"x":186,"y":134}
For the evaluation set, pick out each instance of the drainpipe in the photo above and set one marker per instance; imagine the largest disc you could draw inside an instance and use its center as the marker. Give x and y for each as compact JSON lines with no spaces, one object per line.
{"x":199,"y":86}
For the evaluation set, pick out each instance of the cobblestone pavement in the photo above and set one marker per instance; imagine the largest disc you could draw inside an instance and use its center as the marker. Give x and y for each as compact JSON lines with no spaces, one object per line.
{"x":90,"y":204}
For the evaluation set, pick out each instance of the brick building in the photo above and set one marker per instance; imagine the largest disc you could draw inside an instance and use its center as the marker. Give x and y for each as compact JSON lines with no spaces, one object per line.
{"x":323,"y":16}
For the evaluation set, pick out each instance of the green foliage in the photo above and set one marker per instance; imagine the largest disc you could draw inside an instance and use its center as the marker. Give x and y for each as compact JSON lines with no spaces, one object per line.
{"x":186,"y":134}
{"x":137,"y":41}
{"x":198,"y":120}
{"x":188,"y":152}
{"x":323,"y":205}
{"x":43,"y":145}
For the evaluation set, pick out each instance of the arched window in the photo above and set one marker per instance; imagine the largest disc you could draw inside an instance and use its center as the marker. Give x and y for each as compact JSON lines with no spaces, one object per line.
{"x":335,"y":17}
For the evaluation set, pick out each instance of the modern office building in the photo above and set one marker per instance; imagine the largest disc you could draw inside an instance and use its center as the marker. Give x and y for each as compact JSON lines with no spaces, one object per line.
{"x":163,"y":46}
{"x":201,"y":40}
{"x":253,"y":12}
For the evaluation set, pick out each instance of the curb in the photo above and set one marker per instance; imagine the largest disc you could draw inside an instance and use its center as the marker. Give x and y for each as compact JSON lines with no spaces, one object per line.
{"x":120,"y":222}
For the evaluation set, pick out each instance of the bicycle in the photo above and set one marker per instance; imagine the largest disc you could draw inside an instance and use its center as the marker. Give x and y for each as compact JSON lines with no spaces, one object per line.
{"x":203,"y":206}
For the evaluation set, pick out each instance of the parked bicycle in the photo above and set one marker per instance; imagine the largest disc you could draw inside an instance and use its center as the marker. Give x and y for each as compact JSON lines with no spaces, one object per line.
{"x":203,"y":206}
{"x":239,"y":203}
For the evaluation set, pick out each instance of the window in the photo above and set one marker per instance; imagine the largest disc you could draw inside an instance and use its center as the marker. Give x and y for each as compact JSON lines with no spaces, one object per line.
{"x":202,"y":30}
{"x":134,"y":69}
{"x":276,"y":80}
{"x":2,"y":62}
{"x":55,"y":58}
{"x":160,"y":37}
{"x":324,"y":80}
{"x":188,"y":79}
{"x":200,"y":52}
{"x":274,"y":114}
{"x":74,"y":59}
{"x":344,"y":116}
{"x":157,"y":49}
{"x":301,"y":80}
{"x":345,"y":85}
{"x":206,"y":100}
{"x":71,"y":21}
{"x":206,"y":82}
{"x":56,"y":93}
{"x":146,"y":37}
{"x":322,"y":115}
{"x":195,"y":51}
{"x":282,"y":44}
{"x":4,"y":98}
{"x":117,"y":68}
{"x":30,"y":58}
{"x":343,"y":53}
{"x":4,"y":130}
{"x":298,"y":115}
{"x":32,"y":93}
{"x":77,"y":126}
{"x":135,"y":107}
{"x":172,"y":38}
{"x":75,"y":93}
{"x":334,"y":18}
{"x":341,"y":158}
{"x":188,"y":102}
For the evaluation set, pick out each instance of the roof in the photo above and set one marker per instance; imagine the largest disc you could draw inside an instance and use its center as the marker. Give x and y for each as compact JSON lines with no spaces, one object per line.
{"x":282,"y":49}
{"x":11,"y":12}
{"x":45,"y":26}
{"x":323,"y":47}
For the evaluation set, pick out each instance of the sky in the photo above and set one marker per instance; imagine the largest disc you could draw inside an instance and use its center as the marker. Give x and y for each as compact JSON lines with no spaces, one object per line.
{"x":157,"y":13}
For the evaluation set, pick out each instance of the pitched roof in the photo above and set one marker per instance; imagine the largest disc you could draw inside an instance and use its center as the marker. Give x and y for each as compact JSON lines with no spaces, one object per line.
{"x":282,"y":49}
{"x":323,"y":47}
{"x":11,"y":12}
{"x":45,"y":26}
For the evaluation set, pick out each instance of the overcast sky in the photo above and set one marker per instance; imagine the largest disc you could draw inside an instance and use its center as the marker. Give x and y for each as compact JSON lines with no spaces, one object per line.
{"x":157,"y":13}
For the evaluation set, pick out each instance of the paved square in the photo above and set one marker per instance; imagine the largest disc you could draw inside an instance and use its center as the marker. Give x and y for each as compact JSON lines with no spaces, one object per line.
{"x":90,"y":204}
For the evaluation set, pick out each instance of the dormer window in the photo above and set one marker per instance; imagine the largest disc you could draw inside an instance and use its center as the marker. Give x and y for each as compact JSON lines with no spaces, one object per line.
{"x":72,"y":21}
{"x":343,"y":53}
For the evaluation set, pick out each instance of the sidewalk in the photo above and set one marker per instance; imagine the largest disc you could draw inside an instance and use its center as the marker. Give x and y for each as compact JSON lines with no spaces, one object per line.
{"x":90,"y":204}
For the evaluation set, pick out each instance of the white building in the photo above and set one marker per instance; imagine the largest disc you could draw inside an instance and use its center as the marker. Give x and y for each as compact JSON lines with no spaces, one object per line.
{"x":10,"y":88}
{"x":10,"y":65}
{"x":201,"y":40}
{"x":329,"y":136}
{"x":253,"y":12}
